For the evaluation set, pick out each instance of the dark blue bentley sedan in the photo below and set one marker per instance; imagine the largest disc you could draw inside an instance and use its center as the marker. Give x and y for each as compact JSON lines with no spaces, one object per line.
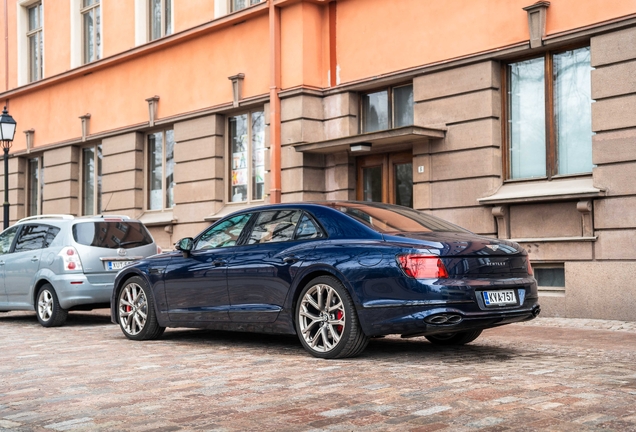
{"x":335,"y":274}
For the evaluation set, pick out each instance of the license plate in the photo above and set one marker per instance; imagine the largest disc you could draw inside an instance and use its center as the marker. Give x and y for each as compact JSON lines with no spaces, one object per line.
{"x":499,"y":298}
{"x":117,"y":265}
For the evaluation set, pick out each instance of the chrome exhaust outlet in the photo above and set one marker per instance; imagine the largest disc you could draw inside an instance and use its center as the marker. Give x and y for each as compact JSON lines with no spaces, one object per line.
{"x":443,"y":319}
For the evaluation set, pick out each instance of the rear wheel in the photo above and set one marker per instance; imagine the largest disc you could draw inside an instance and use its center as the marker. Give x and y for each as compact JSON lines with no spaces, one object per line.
{"x":326,"y":320}
{"x":136,"y":312}
{"x":459,"y":338}
{"x":48,"y":309}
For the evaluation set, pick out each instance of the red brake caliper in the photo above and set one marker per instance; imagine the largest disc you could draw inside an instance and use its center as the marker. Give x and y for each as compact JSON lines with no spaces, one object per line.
{"x":339,"y":316}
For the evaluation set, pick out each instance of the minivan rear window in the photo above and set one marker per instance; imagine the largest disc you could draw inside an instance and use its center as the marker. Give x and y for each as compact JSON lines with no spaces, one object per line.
{"x":111,"y":234}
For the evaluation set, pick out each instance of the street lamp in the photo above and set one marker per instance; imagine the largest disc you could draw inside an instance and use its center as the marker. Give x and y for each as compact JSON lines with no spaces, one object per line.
{"x":7,"y":132}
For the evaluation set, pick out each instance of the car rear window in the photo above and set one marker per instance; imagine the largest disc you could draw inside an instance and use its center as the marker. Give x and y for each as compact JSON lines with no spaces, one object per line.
{"x":111,"y":234}
{"x":387,"y":218}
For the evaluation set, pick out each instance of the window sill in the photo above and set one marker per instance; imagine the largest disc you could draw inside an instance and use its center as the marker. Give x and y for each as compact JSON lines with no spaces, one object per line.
{"x":157,"y":218}
{"x":231,"y":208}
{"x":544,"y":191}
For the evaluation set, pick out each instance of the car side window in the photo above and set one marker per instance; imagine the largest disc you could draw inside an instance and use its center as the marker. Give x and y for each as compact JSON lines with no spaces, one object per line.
{"x":6,"y":239}
{"x":308,"y":229}
{"x":274,"y":226}
{"x":223,"y":234}
{"x":50,"y":236}
{"x":31,"y":238}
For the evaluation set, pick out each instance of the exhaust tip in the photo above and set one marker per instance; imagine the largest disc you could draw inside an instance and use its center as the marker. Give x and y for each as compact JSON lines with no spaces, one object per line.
{"x":536,"y":311}
{"x":440,"y":319}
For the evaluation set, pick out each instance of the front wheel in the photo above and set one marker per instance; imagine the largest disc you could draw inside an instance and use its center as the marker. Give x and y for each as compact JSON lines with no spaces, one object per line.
{"x":136,"y":312}
{"x":326,"y":320}
{"x":48,"y":309}
{"x":459,"y":338}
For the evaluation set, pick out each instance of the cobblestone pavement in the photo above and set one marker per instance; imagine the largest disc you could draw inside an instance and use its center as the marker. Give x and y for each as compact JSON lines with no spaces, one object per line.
{"x":549,"y":374}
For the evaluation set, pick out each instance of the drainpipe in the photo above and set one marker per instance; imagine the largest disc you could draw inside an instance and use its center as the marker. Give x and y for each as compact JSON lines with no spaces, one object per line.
{"x":274,"y":103}
{"x":6,"y":47}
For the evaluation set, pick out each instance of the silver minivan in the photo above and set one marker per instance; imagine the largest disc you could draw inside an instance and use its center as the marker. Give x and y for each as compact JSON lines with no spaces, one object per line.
{"x":56,"y":263}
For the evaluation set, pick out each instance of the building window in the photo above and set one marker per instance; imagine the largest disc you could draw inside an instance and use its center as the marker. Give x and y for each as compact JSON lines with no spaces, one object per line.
{"x":247,"y":142}
{"x":236,"y":5}
{"x":36,"y":48}
{"x":387,"y":109}
{"x":161,"y":170}
{"x":92,"y":180}
{"x":549,"y":116}
{"x":160,"y":18}
{"x":91,"y":30}
{"x":36,"y":186}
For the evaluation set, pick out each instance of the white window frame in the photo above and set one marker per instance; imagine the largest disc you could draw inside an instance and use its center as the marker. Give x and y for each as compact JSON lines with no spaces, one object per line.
{"x":142,"y":21}
{"x":230,"y":5}
{"x":97,"y":190}
{"x":22,"y":26}
{"x":97,"y":49}
{"x":77,"y":34}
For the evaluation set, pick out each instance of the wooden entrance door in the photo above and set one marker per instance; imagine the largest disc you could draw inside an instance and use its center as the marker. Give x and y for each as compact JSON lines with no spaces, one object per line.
{"x":386,"y":178}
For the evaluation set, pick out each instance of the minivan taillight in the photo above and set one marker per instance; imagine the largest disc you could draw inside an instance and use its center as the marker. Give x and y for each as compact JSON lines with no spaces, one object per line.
{"x":422,"y":266}
{"x":530,"y":271}
{"x":70,"y":259}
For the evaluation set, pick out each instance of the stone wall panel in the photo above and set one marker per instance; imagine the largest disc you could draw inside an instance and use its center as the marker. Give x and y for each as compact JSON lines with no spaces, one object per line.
{"x":600,"y":290}
{"x":450,"y":82}
{"x":616,"y":245}
{"x":461,"y":108}
{"x":200,"y":127}
{"x":545,"y":220}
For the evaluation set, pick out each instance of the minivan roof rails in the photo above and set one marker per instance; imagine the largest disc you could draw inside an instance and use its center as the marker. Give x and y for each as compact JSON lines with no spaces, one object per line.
{"x":48,"y":216}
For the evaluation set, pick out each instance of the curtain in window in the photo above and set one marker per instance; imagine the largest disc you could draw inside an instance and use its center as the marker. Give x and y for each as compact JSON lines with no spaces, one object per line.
{"x":573,"y":111}
{"x":376,"y":111}
{"x":155,"y":168}
{"x":526,"y":119}
{"x":403,"y":106}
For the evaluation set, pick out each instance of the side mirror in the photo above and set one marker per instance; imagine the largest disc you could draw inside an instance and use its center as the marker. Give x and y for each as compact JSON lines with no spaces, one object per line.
{"x":185,"y":245}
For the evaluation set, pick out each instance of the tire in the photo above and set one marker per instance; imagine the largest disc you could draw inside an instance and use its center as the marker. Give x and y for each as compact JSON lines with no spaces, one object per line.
{"x":48,"y":309}
{"x":136,"y":312}
{"x":459,"y":338}
{"x":328,"y":331}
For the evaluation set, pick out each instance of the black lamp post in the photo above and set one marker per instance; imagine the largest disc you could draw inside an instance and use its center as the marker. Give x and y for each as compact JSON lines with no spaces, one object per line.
{"x":7,"y":132}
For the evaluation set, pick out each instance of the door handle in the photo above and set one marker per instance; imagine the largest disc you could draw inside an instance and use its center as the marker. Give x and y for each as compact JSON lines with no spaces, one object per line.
{"x":34,"y":259}
{"x":1,"y":262}
{"x":218,"y":263}
{"x":290,"y":259}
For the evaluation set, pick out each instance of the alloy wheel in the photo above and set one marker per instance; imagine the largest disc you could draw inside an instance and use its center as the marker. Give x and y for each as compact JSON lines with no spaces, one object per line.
{"x":133,"y":308}
{"x":322,"y":318}
{"x":45,"y":305}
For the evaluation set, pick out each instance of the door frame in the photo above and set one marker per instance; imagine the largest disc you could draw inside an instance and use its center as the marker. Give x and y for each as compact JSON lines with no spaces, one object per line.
{"x":387,"y":161}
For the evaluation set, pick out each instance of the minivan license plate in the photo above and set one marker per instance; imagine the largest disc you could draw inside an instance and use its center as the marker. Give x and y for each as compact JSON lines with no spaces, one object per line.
{"x":117,"y":265}
{"x":498,"y":298}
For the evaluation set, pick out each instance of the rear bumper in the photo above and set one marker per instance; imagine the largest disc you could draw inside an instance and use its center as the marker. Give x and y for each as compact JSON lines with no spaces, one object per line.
{"x":415,"y":321}
{"x":77,"y":290}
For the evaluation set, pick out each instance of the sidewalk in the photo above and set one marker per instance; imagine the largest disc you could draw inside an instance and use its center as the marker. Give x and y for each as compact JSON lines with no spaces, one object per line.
{"x":582,"y":323}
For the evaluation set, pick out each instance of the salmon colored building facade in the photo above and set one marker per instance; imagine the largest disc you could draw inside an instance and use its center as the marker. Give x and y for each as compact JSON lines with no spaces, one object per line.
{"x":513,"y":119}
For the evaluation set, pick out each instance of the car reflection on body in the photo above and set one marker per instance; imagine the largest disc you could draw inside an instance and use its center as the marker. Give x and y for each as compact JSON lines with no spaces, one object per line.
{"x":335,"y":274}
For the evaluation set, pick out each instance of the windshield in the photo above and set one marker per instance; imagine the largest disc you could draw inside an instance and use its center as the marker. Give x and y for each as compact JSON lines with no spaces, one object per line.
{"x":112,"y":234}
{"x":388,"y":218}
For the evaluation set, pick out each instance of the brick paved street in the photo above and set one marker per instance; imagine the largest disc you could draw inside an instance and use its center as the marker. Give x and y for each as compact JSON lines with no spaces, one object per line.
{"x":550,"y":374}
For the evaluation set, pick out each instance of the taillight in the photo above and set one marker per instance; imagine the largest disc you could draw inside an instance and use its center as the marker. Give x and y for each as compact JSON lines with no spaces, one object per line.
{"x":159,"y":250}
{"x":70,"y":259}
{"x":422,"y":266}
{"x":530,"y":271}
